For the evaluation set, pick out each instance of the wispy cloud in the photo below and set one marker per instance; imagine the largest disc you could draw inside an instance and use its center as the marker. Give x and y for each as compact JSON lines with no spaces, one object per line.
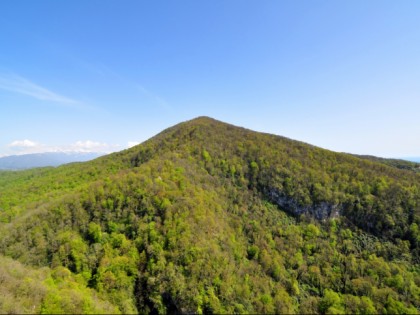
{"x":154,"y":97}
{"x":91,"y":146}
{"x":23,"y":144}
{"x":18,"y":84}
{"x":26,"y":146}
{"x":150,"y":96}
{"x":131,"y":144}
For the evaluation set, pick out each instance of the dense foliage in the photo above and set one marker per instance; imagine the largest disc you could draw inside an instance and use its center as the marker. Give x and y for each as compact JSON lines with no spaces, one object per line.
{"x":189,"y":222}
{"x":401,"y":164}
{"x":29,"y":290}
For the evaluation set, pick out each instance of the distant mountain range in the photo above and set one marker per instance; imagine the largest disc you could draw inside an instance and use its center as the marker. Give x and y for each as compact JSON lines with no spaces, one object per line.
{"x":19,"y":162}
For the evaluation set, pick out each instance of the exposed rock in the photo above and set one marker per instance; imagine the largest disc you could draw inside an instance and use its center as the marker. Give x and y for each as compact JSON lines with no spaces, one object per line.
{"x":321,"y":211}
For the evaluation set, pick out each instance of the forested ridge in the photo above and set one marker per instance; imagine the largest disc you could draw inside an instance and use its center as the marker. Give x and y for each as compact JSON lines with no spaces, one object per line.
{"x":401,"y":164}
{"x":207,"y":217}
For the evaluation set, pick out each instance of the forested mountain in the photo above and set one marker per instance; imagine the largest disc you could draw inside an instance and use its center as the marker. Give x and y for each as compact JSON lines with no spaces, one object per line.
{"x":398,"y":163}
{"x":25,"y":161}
{"x":207,"y":217}
{"x":413,"y":159}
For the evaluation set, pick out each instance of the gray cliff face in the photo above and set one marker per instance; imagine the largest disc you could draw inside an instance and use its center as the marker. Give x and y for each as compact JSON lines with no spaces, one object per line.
{"x":320,"y":211}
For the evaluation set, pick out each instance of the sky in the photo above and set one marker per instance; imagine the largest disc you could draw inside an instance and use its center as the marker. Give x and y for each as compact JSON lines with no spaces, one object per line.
{"x":105,"y":75}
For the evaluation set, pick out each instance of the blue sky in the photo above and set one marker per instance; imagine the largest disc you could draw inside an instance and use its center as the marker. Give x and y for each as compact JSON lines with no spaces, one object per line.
{"x":102,"y":75}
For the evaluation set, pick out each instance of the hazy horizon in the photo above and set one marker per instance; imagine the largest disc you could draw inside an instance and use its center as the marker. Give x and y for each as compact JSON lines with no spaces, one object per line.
{"x":83,"y":149}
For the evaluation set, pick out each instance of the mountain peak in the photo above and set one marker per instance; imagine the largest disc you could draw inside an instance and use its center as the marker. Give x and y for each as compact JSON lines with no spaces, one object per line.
{"x":203,"y":119}
{"x":209,"y":217}
{"x":206,"y":120}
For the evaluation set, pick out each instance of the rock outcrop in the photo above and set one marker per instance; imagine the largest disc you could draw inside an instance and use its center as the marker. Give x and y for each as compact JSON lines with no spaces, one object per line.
{"x":321,"y":211}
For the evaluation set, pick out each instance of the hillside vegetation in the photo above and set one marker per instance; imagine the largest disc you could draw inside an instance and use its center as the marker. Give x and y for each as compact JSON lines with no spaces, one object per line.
{"x":207,"y":217}
{"x":401,"y":164}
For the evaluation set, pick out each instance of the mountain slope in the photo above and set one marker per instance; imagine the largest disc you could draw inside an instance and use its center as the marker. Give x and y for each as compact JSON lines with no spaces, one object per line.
{"x":34,"y":290}
{"x":401,"y":164}
{"x":208,"y":217}
{"x":298,"y":177}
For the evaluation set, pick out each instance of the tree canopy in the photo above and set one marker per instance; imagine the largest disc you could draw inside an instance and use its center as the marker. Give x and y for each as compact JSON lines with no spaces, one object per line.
{"x":207,"y":217}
